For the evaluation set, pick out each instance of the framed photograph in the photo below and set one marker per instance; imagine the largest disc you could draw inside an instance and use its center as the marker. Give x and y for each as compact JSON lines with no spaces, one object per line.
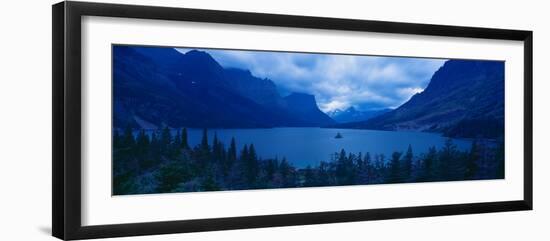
{"x":169,"y":120}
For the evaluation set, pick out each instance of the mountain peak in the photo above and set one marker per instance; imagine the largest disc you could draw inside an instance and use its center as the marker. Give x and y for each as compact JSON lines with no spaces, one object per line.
{"x":301,"y":95}
{"x":239,"y":72}
{"x":334,"y":112}
{"x":196,"y":52}
{"x":351,"y":114}
{"x":460,"y":93}
{"x":198,"y":55}
{"x":469,"y":71}
{"x":302,"y":99}
{"x":305,"y":105}
{"x":261,"y":91}
{"x":198,"y":92}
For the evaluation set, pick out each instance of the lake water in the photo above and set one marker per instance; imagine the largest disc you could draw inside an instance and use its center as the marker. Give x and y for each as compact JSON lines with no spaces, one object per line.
{"x":309,"y":146}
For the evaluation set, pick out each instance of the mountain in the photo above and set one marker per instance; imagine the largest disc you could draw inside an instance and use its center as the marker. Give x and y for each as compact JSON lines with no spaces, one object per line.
{"x":465,"y":98}
{"x":261,"y":91}
{"x":161,"y":86}
{"x":153,"y":91}
{"x":305,"y":108}
{"x":194,"y":69}
{"x":353,"y":115}
{"x":301,"y":108}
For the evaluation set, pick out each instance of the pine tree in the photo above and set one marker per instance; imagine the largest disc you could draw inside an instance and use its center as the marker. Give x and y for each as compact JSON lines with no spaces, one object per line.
{"x":216,"y":148}
{"x":396,"y":175}
{"x":407,"y":163}
{"x":125,"y":184}
{"x":142,"y":144}
{"x":153,"y":156}
{"x":341,"y":168}
{"x":252,"y":165}
{"x":218,"y":152}
{"x":342,"y":156}
{"x":117,"y":139}
{"x":369,"y":170}
{"x":367,"y":158}
{"x":171,"y":175}
{"x":215,"y":140}
{"x":177,"y":140}
{"x":350,"y":169}
{"x":252,"y":153}
{"x":428,"y":163}
{"x":204,"y":146}
{"x":499,"y":156}
{"x":244,"y":153}
{"x":285,"y":169}
{"x":184,"y":143}
{"x":166,"y":137}
{"x":128,"y":140}
{"x":323,"y":175}
{"x":232,"y":152}
{"x":155,"y":143}
{"x":229,"y":157}
{"x":380,"y":168}
{"x":175,"y":146}
{"x":447,"y":162}
{"x":202,"y":151}
{"x":471,"y":161}
{"x":271,"y":168}
{"x":309,"y":177}
{"x":359,"y":160}
{"x":209,"y":184}
{"x":242,"y":168}
{"x":165,"y":141}
{"x":360,"y":169}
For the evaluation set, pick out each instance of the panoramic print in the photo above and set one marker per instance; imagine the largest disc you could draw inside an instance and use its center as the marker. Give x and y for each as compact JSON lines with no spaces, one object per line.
{"x":199,"y":119}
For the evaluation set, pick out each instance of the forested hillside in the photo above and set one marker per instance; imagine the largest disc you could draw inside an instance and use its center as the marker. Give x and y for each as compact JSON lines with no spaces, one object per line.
{"x":161,"y":162}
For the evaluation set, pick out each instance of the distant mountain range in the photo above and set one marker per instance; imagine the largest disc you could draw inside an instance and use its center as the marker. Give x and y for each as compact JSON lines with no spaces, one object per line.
{"x":353,"y":115}
{"x":153,"y":87}
{"x":465,"y":98}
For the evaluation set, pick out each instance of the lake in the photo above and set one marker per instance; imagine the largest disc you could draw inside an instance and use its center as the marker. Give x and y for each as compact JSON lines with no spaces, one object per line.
{"x":310,"y":145}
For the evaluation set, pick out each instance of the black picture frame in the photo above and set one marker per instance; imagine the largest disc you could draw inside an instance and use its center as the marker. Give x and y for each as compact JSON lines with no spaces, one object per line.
{"x":66,"y":168}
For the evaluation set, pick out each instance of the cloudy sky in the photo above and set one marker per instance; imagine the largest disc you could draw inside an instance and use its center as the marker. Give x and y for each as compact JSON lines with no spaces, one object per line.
{"x":337,"y":81}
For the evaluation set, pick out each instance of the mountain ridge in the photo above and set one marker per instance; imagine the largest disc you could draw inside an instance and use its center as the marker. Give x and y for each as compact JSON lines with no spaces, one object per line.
{"x":305,"y":107}
{"x":162,"y":86}
{"x":460,"y":93}
{"x":353,"y":115}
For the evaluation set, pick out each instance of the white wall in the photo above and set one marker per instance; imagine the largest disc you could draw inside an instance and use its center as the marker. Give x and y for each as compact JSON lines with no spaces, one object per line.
{"x":25,"y":107}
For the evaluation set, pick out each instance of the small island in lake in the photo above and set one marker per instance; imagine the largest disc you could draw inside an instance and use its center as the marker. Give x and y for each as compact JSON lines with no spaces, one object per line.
{"x":338,"y":136}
